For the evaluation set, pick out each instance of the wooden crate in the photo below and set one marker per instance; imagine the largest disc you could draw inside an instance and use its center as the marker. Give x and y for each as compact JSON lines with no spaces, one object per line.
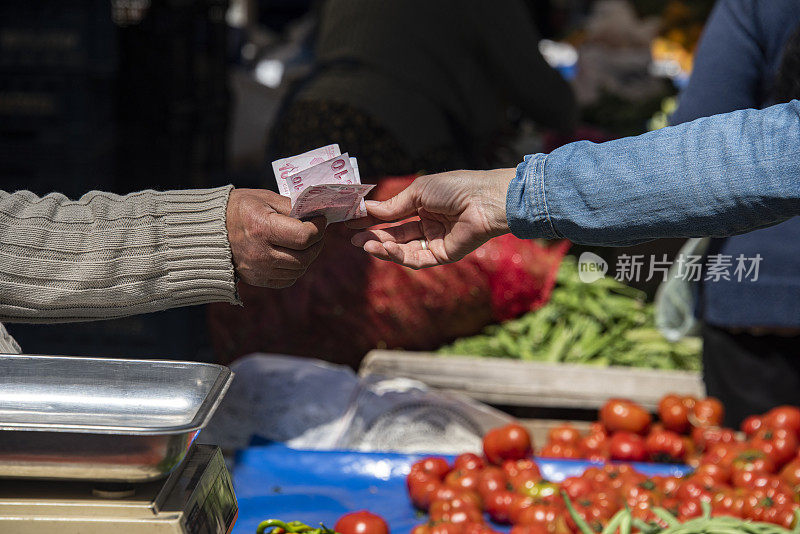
{"x":533,"y":384}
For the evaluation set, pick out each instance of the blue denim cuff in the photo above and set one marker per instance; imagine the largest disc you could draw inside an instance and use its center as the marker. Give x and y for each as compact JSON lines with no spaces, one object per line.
{"x":526,"y":202}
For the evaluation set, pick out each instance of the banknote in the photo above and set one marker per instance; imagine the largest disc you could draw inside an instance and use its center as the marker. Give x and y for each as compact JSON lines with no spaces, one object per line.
{"x":337,"y":202}
{"x":334,"y":171}
{"x":285,"y":167}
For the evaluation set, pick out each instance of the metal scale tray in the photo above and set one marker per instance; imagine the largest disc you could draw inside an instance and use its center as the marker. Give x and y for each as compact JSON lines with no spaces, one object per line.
{"x":102,"y":419}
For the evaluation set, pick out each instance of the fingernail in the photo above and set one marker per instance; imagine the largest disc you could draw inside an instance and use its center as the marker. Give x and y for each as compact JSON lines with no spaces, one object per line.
{"x":372,"y":203}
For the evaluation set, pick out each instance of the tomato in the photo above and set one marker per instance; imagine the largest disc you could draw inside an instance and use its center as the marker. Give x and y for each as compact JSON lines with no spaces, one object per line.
{"x":723,"y":454}
{"x":627,"y":447}
{"x":753,"y":460}
{"x":468,"y":462}
{"x":576,"y":487}
{"x":362,"y":522}
{"x":728,"y":502}
{"x":447,"y":493}
{"x":624,"y":415}
{"x":538,"y":513}
{"x":706,"y":436}
{"x":466,"y":479}
{"x":689,"y":509}
{"x":455,"y":511}
{"x":718,"y":473}
{"x":524,"y":478}
{"x":666,"y":486}
{"x":560,"y":450}
{"x":539,"y":490}
{"x":674,"y":414}
{"x":477,"y":528}
{"x":511,"y":442}
{"x":433,"y":465}
{"x":513,"y":467}
{"x":752,"y":424}
{"x":565,"y":433}
{"x":665,"y":446}
{"x":535,"y":528}
{"x":446,"y":528}
{"x":424,"y":528}
{"x":787,"y":417}
{"x":779,"y":444}
{"x":593,"y":444}
{"x":759,"y":502}
{"x":791,"y":474}
{"x":694,"y":488}
{"x":492,"y":479}
{"x":707,"y":412}
{"x":421,"y":488}
{"x":519,"y":503}
{"x":498,"y":506}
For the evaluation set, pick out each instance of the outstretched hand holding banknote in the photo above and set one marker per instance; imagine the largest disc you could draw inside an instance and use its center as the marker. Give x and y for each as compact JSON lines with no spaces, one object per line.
{"x":322,"y":182}
{"x":438,"y":219}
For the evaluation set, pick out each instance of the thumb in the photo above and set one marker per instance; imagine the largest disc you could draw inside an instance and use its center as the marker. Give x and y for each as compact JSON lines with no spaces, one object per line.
{"x":400,"y":206}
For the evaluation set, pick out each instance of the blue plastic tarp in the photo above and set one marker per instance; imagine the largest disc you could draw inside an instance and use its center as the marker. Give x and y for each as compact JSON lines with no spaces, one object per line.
{"x":275,"y":482}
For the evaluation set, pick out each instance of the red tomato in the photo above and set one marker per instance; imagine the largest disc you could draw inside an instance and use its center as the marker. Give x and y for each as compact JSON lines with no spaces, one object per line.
{"x":674,"y":414}
{"x":718,"y":473}
{"x":706,"y":436}
{"x":689,"y":509}
{"x":752,"y":424}
{"x":576,"y":487}
{"x":695,"y":488}
{"x":565,"y":433}
{"x":627,"y":447}
{"x":498,"y":506}
{"x":477,"y":528}
{"x":433,"y":465}
{"x":455,"y":511}
{"x":446,"y":528}
{"x":560,"y":450}
{"x":511,"y":442}
{"x":421,"y":488}
{"x":536,"y":528}
{"x":362,"y":522}
{"x":624,"y":415}
{"x":791,"y":474}
{"x":787,"y":417}
{"x":545,"y":514}
{"x":593,"y":444}
{"x":468,"y":462}
{"x":424,"y":528}
{"x":707,"y":412}
{"x":447,"y":493}
{"x":753,"y":460}
{"x":513,"y":467}
{"x":779,"y":444}
{"x":728,"y":502}
{"x":519,"y":503}
{"x":465,"y":479}
{"x":492,"y":479}
{"x":665,"y":446}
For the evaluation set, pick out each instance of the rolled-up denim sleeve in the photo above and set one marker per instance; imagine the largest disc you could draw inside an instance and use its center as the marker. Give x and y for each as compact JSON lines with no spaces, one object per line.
{"x":717,"y":176}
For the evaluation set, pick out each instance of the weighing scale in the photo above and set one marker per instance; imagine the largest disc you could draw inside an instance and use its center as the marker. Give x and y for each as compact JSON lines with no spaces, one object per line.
{"x":196,"y":498}
{"x":101,"y":446}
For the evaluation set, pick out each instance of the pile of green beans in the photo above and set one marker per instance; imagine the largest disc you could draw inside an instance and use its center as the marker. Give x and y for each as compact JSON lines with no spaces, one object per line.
{"x":276,"y":526}
{"x":603,"y":323}
{"x":624,"y":523}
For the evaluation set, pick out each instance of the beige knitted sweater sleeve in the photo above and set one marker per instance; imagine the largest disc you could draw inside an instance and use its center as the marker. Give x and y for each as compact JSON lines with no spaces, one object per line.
{"x":105,"y":256}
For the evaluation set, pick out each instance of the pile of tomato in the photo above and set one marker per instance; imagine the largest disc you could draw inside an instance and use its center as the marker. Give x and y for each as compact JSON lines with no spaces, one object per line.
{"x":750,"y":474}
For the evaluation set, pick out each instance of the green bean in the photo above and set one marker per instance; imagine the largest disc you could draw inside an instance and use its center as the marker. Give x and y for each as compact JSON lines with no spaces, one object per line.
{"x":579,"y":521}
{"x":612,"y":525}
{"x":666,"y":517}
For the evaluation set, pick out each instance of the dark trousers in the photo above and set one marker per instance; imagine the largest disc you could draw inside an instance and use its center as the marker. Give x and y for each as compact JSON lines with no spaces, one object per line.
{"x":750,"y":374}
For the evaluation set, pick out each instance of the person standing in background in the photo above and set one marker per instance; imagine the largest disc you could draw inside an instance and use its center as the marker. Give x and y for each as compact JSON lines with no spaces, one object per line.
{"x":749,"y":57}
{"x":411,"y":85}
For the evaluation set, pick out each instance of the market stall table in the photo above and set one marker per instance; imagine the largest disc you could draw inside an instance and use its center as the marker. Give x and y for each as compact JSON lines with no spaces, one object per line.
{"x":273,"y":481}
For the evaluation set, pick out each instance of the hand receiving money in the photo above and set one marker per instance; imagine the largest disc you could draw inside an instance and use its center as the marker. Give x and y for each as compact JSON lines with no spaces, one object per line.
{"x":322,"y":182}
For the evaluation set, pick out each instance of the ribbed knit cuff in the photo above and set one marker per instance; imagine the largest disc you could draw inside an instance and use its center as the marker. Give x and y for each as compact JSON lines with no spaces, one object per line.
{"x":526,"y":201}
{"x":199,"y":260}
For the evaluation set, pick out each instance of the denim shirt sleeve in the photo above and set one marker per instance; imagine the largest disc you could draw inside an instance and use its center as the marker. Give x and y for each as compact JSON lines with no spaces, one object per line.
{"x":716,"y":176}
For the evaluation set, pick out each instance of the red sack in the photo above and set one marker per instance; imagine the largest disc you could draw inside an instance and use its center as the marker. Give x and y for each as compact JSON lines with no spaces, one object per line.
{"x":348,"y":302}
